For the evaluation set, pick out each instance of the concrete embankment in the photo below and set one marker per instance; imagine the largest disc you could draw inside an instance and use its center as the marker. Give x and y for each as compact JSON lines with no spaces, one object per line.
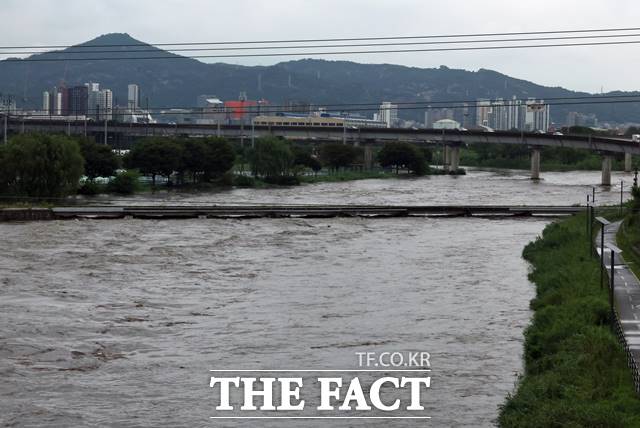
{"x":279,"y":211}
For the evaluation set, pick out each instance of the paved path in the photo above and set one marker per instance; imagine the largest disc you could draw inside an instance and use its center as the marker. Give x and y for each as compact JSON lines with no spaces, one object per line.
{"x":626,"y":295}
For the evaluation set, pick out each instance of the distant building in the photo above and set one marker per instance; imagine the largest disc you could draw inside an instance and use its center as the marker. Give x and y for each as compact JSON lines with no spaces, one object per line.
{"x":514,"y":114}
{"x":212,"y":110}
{"x":46,"y":102}
{"x":483,"y":108}
{"x":99,"y":102}
{"x":244,"y":109}
{"x":104,"y":105}
{"x":433,"y":115}
{"x":77,"y":101}
{"x":446,"y":124}
{"x":537,"y":115}
{"x":133,"y":97}
{"x":57,"y":102}
{"x":498,"y":114}
{"x":388,"y":114}
{"x":204,"y":100}
{"x":581,"y":119}
{"x":93,"y":91}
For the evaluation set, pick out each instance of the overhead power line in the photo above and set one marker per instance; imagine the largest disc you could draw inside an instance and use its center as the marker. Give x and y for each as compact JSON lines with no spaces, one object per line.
{"x":200,"y":49}
{"x":425,"y":104}
{"x":267,"y":110}
{"x":283,"y":54}
{"x":349,"y":39}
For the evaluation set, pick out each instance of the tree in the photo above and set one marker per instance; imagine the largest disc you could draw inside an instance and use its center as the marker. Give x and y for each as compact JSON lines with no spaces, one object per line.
{"x":403,"y":155}
{"x":194,"y":157}
{"x":337,"y":156}
{"x":156,"y":156}
{"x":303,"y":157}
{"x":99,"y":159}
{"x":42,"y":166}
{"x":632,"y":130}
{"x":271,"y":158}
{"x":220,"y":158}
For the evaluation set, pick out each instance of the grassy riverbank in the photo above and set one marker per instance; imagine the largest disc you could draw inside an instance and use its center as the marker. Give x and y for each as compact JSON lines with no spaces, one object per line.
{"x":575,"y":369}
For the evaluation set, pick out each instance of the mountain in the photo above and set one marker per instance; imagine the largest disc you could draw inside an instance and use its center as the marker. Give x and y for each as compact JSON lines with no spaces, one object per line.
{"x":173,"y":81}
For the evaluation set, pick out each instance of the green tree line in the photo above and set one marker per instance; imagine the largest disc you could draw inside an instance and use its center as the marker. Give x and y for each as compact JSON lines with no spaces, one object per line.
{"x":46,"y":166}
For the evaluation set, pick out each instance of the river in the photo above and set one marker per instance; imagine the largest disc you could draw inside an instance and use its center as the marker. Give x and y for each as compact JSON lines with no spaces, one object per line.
{"x":117,"y":323}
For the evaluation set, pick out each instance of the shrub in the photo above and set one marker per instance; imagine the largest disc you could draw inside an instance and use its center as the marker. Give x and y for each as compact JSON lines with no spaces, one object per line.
{"x":125,"y":183}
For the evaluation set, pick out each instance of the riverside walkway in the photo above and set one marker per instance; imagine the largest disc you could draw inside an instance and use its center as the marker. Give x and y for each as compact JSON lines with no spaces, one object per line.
{"x":626,"y":298}
{"x":281,"y":211}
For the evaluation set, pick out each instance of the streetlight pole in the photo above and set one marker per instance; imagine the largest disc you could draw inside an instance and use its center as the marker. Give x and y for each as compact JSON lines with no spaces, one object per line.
{"x":621,"y":195}
{"x":603,"y":222}
{"x":344,"y":132}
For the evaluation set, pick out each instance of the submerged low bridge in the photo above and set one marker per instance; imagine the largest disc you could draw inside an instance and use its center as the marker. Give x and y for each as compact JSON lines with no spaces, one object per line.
{"x":452,"y":140}
{"x":160,"y":212}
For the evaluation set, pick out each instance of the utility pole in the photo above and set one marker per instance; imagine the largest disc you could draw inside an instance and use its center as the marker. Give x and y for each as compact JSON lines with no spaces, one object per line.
{"x":105,"y":130}
{"x":148,"y":117}
{"x":6,"y":119}
{"x":253,"y":133}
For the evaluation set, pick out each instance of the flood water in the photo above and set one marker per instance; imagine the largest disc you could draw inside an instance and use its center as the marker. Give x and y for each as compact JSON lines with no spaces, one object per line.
{"x":118,"y":323}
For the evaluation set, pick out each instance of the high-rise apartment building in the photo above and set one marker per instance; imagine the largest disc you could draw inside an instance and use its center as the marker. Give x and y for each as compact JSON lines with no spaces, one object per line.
{"x":513,"y":114}
{"x":77,"y":101}
{"x":104,"y":103}
{"x":388,"y":114}
{"x":532,"y":115}
{"x":432,"y":115}
{"x":536,"y":115}
{"x":483,"y":108}
{"x":46,"y":102}
{"x":133,"y":97}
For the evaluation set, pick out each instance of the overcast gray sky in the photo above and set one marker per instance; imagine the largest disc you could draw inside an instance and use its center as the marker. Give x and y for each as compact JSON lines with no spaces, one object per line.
{"x":31,"y":22}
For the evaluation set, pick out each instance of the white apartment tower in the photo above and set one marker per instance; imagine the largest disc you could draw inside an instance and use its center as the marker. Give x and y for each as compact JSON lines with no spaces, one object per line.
{"x":46,"y":102}
{"x":536,"y":115}
{"x":133,"y":97}
{"x":104,"y":105}
{"x":388,"y":114}
{"x":483,"y":109}
{"x":513,"y":114}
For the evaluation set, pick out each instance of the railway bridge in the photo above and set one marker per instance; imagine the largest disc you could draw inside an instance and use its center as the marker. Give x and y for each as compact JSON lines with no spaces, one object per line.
{"x":451,"y":140}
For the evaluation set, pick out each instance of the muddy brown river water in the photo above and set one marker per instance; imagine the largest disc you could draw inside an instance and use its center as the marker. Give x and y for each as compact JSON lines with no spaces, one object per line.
{"x":117,"y":323}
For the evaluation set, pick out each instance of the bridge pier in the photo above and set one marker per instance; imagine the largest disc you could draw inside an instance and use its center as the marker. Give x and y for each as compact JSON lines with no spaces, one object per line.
{"x":535,"y":164}
{"x":446,"y":158}
{"x":368,"y":157}
{"x":454,"y":159}
{"x":606,"y":170}
{"x":627,"y":162}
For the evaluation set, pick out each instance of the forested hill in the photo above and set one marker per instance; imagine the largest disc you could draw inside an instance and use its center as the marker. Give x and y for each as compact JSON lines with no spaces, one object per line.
{"x":178,"y":82}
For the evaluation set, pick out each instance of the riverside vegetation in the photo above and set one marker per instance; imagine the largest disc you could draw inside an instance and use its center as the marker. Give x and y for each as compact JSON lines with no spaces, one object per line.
{"x":53,"y":166}
{"x":552,"y":158}
{"x":576,"y":371}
